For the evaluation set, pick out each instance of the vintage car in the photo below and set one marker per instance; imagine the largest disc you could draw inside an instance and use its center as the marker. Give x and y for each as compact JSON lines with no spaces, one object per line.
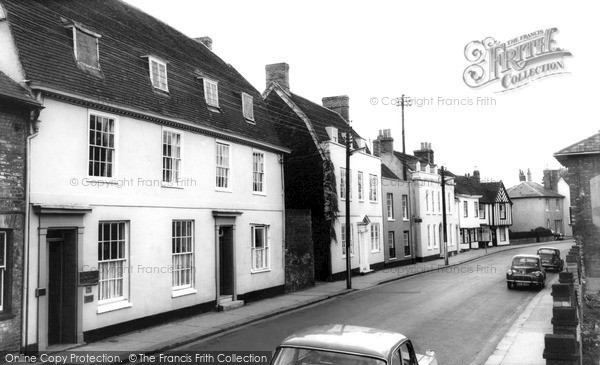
{"x":348,"y":345}
{"x":551,"y":258}
{"x":526,"y":269}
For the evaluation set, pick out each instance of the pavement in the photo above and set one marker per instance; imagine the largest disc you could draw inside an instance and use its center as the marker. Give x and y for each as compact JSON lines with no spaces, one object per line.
{"x":523,"y":344}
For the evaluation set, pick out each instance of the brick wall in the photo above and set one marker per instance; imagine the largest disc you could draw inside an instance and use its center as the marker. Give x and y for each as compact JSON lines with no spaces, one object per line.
{"x":582,"y":169}
{"x":299,"y":251}
{"x":13,"y":132}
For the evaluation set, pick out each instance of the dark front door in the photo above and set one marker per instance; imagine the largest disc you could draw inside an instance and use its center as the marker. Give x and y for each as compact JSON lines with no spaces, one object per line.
{"x":226,"y":260}
{"x":62,"y":287}
{"x":494,"y":242}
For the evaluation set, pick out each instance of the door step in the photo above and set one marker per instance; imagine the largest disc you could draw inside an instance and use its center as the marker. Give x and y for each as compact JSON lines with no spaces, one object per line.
{"x":229,"y":305}
{"x":225,"y":298}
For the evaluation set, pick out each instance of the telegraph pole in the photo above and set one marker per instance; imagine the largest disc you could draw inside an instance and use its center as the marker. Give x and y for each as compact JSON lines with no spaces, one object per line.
{"x":347,"y":187}
{"x":403,"y":140}
{"x":443,"y":183}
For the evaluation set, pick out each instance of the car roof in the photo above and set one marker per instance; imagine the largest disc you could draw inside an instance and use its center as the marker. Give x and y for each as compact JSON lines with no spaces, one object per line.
{"x":548,"y":248}
{"x":527,"y":256}
{"x":346,"y":338}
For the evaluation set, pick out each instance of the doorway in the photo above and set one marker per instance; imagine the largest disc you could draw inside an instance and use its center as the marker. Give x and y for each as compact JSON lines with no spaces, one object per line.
{"x":62,"y":286}
{"x":226,"y":261}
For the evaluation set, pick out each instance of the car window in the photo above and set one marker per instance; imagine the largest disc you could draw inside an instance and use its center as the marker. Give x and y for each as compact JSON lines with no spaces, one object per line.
{"x":405,"y":351}
{"x":296,"y":356}
{"x":396,"y":358}
{"x":525,"y":262}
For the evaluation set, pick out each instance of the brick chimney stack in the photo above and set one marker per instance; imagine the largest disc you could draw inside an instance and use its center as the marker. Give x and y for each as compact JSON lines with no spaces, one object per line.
{"x":550,"y":179}
{"x":528,"y":175}
{"x":339,"y":104}
{"x":386,"y":142}
{"x":476,"y":175}
{"x":279,"y":73}
{"x":425,"y":153}
{"x":521,"y":175}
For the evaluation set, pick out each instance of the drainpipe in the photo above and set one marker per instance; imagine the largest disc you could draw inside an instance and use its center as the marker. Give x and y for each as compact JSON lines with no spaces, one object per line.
{"x":280,"y":157}
{"x":33,"y":130}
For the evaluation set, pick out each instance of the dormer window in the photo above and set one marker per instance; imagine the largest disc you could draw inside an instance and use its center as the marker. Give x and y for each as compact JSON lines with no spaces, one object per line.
{"x":158,"y":73}
{"x":332,"y":132}
{"x":211,"y":92}
{"x":85,"y":46}
{"x":248,"y":107}
{"x":2,"y":13}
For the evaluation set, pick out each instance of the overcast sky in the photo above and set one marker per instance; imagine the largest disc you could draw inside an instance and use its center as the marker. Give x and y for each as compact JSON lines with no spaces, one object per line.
{"x":388,"y":48}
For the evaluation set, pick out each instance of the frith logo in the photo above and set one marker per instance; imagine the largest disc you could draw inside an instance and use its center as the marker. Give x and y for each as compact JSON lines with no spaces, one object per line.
{"x":514,"y":63}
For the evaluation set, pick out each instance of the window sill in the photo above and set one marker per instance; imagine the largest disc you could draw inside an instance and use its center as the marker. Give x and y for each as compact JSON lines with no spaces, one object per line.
{"x":183,"y":292}
{"x":405,"y":219}
{"x":391,"y":220}
{"x":6,"y":316}
{"x":259,"y":193}
{"x":224,"y":190}
{"x":169,"y":185}
{"x":103,"y":308}
{"x":213,"y":108}
{"x":258,"y":271}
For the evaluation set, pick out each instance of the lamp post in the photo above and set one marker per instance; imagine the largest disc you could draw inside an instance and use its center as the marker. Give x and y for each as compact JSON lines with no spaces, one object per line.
{"x":443,"y":183}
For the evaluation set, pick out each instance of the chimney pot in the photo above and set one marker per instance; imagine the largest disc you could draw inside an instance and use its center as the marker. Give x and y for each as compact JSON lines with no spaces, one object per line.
{"x":279,"y":73}
{"x":207,"y":41}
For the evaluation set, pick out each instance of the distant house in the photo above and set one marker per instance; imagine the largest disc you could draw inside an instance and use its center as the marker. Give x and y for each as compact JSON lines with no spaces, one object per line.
{"x":492,"y":211}
{"x":18,"y":123}
{"x":424,"y":194}
{"x":582,"y":159}
{"x":315,"y":177}
{"x":156,"y":176}
{"x":535,"y":206}
{"x":555,"y":180}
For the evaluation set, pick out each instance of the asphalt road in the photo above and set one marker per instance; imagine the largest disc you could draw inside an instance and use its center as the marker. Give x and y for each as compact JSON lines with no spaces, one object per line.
{"x":461,"y":312}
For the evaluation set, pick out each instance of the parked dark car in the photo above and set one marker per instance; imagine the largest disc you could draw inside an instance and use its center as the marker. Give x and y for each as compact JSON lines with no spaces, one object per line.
{"x":348,"y":345}
{"x":551,"y":258}
{"x":526,"y":269}
{"x":557,"y":235}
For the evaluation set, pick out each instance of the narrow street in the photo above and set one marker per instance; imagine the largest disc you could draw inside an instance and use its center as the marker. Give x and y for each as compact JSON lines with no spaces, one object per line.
{"x":461,"y":312}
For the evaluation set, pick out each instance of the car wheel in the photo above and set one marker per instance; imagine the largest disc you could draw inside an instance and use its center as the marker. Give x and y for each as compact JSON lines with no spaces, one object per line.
{"x":542,"y":285}
{"x":509,"y":285}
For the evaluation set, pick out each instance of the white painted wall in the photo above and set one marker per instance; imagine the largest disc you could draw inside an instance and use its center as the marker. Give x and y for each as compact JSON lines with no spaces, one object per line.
{"x":368,"y":165}
{"x":59,"y":177}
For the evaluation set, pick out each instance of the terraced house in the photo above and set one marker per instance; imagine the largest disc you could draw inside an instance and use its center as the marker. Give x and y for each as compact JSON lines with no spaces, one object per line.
{"x":315,"y":176}
{"x":156,"y":174}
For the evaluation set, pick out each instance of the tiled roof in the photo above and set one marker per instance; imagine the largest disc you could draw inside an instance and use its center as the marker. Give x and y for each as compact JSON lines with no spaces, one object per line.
{"x":530,"y":189}
{"x":588,"y":145}
{"x":127,"y":34}
{"x":321,"y":117}
{"x":12,"y":91}
{"x":491,"y":191}
{"x":406,"y":158}
{"x":387,"y":173}
{"x":467,"y":186}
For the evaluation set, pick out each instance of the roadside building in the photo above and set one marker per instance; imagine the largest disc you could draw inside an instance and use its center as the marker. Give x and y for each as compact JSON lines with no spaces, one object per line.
{"x":156,"y":178}
{"x":315,"y":177}
{"x":468,"y":194}
{"x":18,"y":121}
{"x":582,"y":159}
{"x":555,"y":180}
{"x":425,"y":196}
{"x":536,"y":206}
{"x":495,"y":210}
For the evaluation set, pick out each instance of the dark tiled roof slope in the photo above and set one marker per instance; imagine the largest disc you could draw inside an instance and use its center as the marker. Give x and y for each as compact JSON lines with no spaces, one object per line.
{"x":467,"y":186}
{"x":321,"y":117}
{"x":387,"y":173}
{"x":491,"y":191}
{"x":530,"y":189}
{"x":46,"y":52}
{"x":588,"y":145}
{"x":12,"y":91}
{"x":406,"y":158}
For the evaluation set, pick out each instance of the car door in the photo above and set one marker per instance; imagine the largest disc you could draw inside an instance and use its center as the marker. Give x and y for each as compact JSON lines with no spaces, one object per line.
{"x":404,"y":355}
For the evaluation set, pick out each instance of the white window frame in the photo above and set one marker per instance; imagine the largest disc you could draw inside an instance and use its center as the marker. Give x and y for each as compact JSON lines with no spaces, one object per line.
{"x":124,"y":296}
{"x":439,"y":202}
{"x":114,"y":148}
{"x":481,"y":211}
{"x":4,"y":259}
{"x":176,"y":162}
{"x":502,"y":210}
{"x":502,"y":234}
{"x":405,"y":212}
{"x":435,"y":238}
{"x":96,"y":36}
{"x":343,"y":193}
{"x":343,"y":236}
{"x":429,"y":236}
{"x":465,"y":209}
{"x":247,"y":107}
{"x":361,"y":187}
{"x":178,"y":251}
{"x":208,"y":84}
{"x":375,"y":238}
{"x":373,"y":188}
{"x":265,"y":262}
{"x":156,"y":79}
{"x":476,"y":209}
{"x":256,"y":173}
{"x":389,"y":198}
{"x":227,"y":168}
{"x":427,"y":201}
{"x":392,"y":244}
{"x":406,"y":243}
{"x":432,"y":202}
